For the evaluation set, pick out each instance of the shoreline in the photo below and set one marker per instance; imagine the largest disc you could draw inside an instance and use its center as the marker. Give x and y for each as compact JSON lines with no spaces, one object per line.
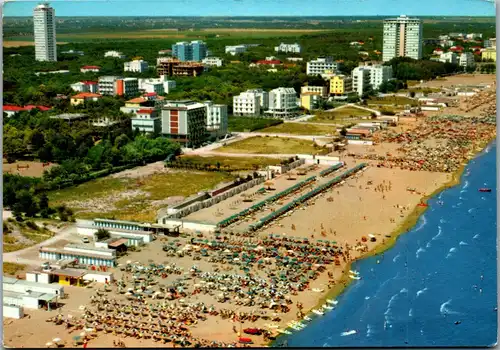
{"x":410,"y":221}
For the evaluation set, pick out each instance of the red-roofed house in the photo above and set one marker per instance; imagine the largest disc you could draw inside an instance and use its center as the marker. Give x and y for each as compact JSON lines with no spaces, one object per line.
{"x":271,"y":63}
{"x":438,"y":51}
{"x":83,"y":97}
{"x":10,"y":110}
{"x":86,"y":69}
{"x":457,"y":48}
{"x":147,"y":120}
{"x":138,"y":103}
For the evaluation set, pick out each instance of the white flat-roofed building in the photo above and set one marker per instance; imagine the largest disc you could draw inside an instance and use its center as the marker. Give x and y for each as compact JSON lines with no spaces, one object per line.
{"x":114,"y":54}
{"x":466,"y":59}
{"x":107,"y":85}
{"x":86,"y":86}
{"x":282,"y":103}
{"x":147,"y":120}
{"x":159,"y":85}
{"x":379,"y":74}
{"x":235,"y":49}
{"x":212,"y":61}
{"x":402,"y":38}
{"x":360,"y":80}
{"x":294,"y":48}
{"x":448,"y":57}
{"x":217,"y":123}
{"x":250,"y":103}
{"x":319,"y":90}
{"x":321,"y":65}
{"x":44,"y":23}
{"x":138,"y":66}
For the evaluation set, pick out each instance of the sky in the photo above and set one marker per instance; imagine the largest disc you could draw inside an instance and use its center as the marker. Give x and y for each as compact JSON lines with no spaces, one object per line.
{"x":258,"y":8}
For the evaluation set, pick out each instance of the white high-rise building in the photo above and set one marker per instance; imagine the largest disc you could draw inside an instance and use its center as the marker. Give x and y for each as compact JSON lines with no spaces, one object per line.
{"x":402,"y":38}
{"x":282,"y":102}
{"x":295,"y":48}
{"x":138,"y":66}
{"x":44,"y":22}
{"x":466,"y":59}
{"x":378,"y":74}
{"x":360,"y":79}
{"x":250,"y":102}
{"x":216,"y":118}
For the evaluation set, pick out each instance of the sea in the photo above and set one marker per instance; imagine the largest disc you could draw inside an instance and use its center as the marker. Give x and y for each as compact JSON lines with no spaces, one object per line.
{"x":437,"y":286}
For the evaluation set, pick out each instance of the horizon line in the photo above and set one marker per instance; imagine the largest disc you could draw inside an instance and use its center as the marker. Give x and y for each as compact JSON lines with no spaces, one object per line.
{"x":265,"y":16}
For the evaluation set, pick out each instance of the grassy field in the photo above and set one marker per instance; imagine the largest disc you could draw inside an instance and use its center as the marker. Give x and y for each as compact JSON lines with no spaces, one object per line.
{"x":12,"y":269}
{"x":247,"y":124}
{"x":137,"y":199}
{"x":20,"y":235}
{"x":232,"y":162}
{"x":301,"y":129}
{"x":214,"y":33}
{"x":273,"y":145}
{"x":341,"y":116}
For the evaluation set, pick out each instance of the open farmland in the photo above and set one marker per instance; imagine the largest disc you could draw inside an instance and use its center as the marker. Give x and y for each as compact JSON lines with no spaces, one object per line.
{"x":137,"y":194}
{"x":273,"y":145}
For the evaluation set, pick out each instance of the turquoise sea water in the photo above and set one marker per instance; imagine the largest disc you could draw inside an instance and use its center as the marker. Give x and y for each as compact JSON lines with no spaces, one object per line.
{"x":436,"y":287}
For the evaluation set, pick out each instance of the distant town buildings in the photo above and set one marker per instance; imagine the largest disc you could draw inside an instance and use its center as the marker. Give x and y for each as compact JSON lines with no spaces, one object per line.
{"x":212,"y":61}
{"x":61,"y":71}
{"x":250,"y":103}
{"x":118,"y":86}
{"x":321,"y":65}
{"x":489,"y":54}
{"x":138,"y":66}
{"x":294,"y":59}
{"x":93,"y":69}
{"x":236,"y":49}
{"x":86,"y":86}
{"x":173,"y":67}
{"x":148,"y":100}
{"x":282,"y":103}
{"x":73,"y":52}
{"x":288,"y":48}
{"x":10,"y":110}
{"x":402,"y":38}
{"x":194,"y":51}
{"x":114,"y":54}
{"x":217,"y":122}
{"x":44,"y":23}
{"x":184,"y":121}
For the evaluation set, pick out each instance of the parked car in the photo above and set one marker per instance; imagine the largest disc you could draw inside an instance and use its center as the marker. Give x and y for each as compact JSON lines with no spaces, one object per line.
{"x":85,"y":240}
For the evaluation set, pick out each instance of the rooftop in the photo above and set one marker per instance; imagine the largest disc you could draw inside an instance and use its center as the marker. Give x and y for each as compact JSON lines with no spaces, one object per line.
{"x":83,"y":95}
{"x":70,"y":116}
{"x":91,"y":67}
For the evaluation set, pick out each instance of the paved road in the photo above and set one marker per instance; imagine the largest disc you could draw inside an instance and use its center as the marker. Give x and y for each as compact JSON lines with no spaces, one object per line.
{"x":244,"y":155}
{"x":15,"y":257}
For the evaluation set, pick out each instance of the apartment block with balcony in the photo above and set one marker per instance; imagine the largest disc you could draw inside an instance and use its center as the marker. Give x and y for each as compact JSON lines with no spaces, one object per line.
{"x":212,"y":62}
{"x":217,"y":122}
{"x":360,"y":80}
{"x":250,"y":103}
{"x":190,"y":51}
{"x":147,"y":119}
{"x":379,"y":74}
{"x":173,"y":67}
{"x":138,"y":66}
{"x":184,"y":121}
{"x":489,"y":54}
{"x":282,"y":103}
{"x":321,"y":65}
{"x":107,"y":85}
{"x":44,"y":25}
{"x":288,"y":48}
{"x":402,"y":38}
{"x":318,"y":90}
{"x":340,"y":85}
{"x":448,"y":57}
{"x":466,"y":60}
{"x":86,"y":86}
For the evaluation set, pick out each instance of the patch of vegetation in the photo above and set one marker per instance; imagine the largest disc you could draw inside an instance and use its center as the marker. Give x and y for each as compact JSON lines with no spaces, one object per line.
{"x":273,"y":145}
{"x":138,"y":207}
{"x":247,"y":124}
{"x":393,"y":100}
{"x":301,"y":129}
{"x":226,"y":163}
{"x":12,"y":269}
{"x":342,"y":116}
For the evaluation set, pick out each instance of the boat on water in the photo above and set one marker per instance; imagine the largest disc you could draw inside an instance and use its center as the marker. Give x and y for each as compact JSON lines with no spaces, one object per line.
{"x":328,"y":307}
{"x":307,"y":318}
{"x":485,"y":189}
{"x":354,"y":272}
{"x":333,"y":302}
{"x":422,"y":204}
{"x":355,"y":277}
{"x":317,"y":312}
{"x":283,"y":331}
{"x":348,"y":333}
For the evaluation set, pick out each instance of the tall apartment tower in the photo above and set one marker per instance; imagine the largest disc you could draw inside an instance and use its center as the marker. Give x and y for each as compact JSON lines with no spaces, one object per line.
{"x":402,"y":38}
{"x":194,"y":51}
{"x":45,"y":33}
